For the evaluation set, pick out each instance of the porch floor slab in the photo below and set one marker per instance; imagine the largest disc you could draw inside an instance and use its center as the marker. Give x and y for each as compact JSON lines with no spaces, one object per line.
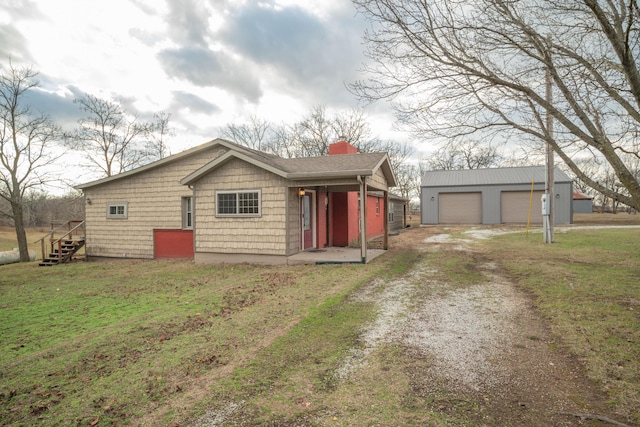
{"x":333,"y":255}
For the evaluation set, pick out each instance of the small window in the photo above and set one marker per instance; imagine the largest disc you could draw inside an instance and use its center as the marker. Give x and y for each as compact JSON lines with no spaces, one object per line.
{"x":187,"y":212}
{"x":390,"y":216}
{"x":238,"y":203}
{"x":377,"y":206}
{"x":117,"y":210}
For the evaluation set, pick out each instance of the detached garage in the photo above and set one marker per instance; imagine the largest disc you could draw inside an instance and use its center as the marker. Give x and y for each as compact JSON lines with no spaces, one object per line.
{"x":492,"y":196}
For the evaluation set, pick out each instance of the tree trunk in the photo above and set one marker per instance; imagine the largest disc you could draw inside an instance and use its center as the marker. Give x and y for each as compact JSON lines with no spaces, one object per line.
{"x":21,"y":233}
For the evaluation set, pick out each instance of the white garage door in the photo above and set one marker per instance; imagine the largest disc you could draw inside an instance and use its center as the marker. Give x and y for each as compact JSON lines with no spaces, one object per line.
{"x":460,"y":208}
{"x":514,"y":207}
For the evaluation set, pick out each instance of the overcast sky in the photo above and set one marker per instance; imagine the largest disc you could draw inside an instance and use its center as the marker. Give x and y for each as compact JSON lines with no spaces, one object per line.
{"x":207,"y":63}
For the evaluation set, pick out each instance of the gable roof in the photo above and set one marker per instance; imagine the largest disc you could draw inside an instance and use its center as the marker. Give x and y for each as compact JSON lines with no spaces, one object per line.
{"x":305,"y":168}
{"x":338,"y":166}
{"x":491,"y":176}
{"x":169,"y":159}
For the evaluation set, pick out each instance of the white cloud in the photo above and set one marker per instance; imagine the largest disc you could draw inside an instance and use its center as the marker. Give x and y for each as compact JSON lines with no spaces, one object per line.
{"x":206,"y":62}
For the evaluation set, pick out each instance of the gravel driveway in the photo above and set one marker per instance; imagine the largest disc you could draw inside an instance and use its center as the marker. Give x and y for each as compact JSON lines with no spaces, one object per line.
{"x":486,"y":345}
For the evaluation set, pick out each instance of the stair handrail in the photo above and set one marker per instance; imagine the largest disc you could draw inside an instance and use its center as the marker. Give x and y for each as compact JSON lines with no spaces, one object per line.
{"x":58,"y":241}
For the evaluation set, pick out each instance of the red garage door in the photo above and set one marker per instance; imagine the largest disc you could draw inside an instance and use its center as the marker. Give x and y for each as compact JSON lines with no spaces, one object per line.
{"x":173,"y":243}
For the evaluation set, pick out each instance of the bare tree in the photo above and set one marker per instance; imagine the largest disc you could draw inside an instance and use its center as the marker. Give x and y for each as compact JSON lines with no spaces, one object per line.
{"x":399,"y":152}
{"x":255,"y":134}
{"x":283,"y":143}
{"x":26,"y":143}
{"x":42,"y":209}
{"x":405,"y":177}
{"x":590,"y":167}
{"x":456,"y":68}
{"x":113,"y":142}
{"x":157,"y":147}
{"x":465,"y":155}
{"x":312,"y":135}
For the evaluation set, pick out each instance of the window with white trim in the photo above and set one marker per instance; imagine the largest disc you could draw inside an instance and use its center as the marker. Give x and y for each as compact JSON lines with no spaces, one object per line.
{"x":244,"y":203}
{"x":117,"y":210}
{"x":187,"y":212}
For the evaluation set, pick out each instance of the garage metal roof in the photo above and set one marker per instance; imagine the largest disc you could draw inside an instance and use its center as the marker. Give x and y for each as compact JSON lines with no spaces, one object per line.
{"x":491,"y":176}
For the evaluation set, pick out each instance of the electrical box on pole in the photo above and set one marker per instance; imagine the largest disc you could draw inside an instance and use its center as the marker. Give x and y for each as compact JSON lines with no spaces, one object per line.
{"x":547,"y":230}
{"x":545,"y":204}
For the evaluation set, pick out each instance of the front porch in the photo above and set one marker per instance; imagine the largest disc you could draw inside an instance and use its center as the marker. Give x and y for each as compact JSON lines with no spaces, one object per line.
{"x":333,"y":255}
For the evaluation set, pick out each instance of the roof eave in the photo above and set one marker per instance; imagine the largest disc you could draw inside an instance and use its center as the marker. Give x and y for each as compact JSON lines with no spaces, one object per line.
{"x":329,"y":174}
{"x":154,"y":165}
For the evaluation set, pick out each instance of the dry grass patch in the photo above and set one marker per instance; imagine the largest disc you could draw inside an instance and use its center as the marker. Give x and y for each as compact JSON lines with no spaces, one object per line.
{"x":586,"y":285}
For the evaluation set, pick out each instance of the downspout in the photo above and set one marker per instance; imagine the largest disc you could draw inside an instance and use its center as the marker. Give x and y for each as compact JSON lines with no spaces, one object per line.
{"x":326,"y":214}
{"x":385,"y":221}
{"x":193,"y":218}
{"x":363,"y":218}
{"x":86,"y":202}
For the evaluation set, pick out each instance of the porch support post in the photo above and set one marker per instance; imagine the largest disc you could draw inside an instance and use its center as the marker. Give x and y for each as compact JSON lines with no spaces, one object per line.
{"x":385,"y":240}
{"x":363,"y":219}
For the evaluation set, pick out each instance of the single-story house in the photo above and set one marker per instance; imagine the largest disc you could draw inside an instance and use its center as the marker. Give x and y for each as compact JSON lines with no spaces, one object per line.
{"x":397,"y":215}
{"x":493,"y":196}
{"x":222,"y":202}
{"x":582,"y":203}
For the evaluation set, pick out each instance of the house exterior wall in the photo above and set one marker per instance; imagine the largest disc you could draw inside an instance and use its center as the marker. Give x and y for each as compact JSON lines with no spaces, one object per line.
{"x":491,"y":201}
{"x":263,"y":235}
{"x":293,"y":221}
{"x":321,"y":215}
{"x":154,"y":201}
{"x":397,"y":219}
{"x":378,"y":181}
{"x":345,"y":218}
{"x":375,"y":217}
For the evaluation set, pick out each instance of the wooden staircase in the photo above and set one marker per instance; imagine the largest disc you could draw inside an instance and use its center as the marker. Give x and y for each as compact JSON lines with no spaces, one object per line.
{"x":65,"y":247}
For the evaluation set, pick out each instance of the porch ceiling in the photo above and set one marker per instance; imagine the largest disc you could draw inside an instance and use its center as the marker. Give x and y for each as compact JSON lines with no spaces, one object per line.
{"x":339,"y":186}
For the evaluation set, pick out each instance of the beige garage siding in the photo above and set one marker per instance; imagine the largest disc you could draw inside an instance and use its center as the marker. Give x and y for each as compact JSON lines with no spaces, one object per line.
{"x":514,"y":207}
{"x":460,"y":208}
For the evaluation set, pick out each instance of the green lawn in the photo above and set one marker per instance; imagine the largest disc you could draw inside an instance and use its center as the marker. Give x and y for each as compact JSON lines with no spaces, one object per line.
{"x":161,"y":342}
{"x":107,"y":342}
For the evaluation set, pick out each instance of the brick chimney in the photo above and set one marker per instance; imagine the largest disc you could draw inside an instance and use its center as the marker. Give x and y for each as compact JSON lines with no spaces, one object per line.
{"x":341,"y":147}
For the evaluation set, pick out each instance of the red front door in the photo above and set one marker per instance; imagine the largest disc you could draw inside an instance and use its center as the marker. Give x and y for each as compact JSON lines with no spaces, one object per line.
{"x":306,"y":222}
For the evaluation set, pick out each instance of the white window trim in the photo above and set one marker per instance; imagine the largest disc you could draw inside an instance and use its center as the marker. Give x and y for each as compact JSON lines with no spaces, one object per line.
{"x":125,"y":215}
{"x":186,"y":215}
{"x":239,"y":215}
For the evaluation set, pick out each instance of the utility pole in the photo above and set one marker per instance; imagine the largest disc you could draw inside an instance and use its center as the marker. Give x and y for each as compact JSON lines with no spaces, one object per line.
{"x":549,"y":193}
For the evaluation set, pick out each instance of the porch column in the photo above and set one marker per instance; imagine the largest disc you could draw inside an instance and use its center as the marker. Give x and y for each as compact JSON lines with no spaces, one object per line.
{"x":363,"y":219}
{"x":385,"y":240}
